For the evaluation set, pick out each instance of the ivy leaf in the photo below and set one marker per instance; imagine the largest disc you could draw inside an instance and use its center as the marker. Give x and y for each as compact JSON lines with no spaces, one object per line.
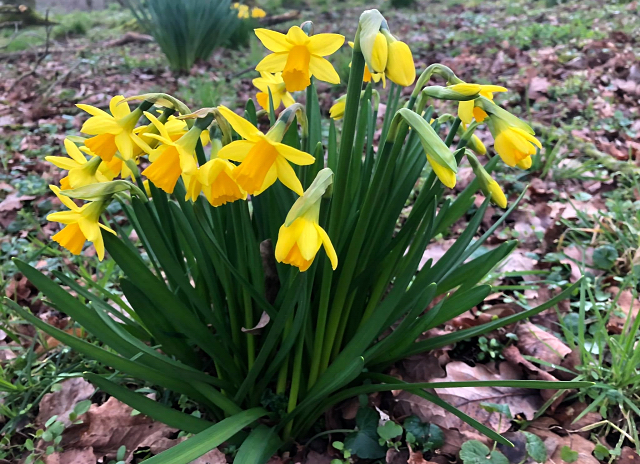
{"x":535,"y":447}
{"x":389,"y":431}
{"x":430,"y":436}
{"x":568,"y":455}
{"x":601,"y":452}
{"x":475,"y":452}
{"x":364,"y":442}
{"x":605,"y":256}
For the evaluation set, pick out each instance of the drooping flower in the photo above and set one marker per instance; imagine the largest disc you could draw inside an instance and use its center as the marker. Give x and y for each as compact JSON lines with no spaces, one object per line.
{"x":215,"y":179}
{"x":112,"y":132}
{"x":487,"y":184}
{"x":299,"y":56}
{"x":81,"y":171}
{"x":400,"y":66}
{"x":263,"y":159}
{"x":337,"y":110}
{"x":467,"y":111}
{"x":301,"y":236}
{"x":279,"y":94}
{"x":81,"y":224}
{"x":171,"y":158}
{"x":368,"y":76}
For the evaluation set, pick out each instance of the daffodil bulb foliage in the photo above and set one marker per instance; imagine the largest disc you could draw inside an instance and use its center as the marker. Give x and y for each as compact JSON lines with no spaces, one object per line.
{"x":301,"y":236}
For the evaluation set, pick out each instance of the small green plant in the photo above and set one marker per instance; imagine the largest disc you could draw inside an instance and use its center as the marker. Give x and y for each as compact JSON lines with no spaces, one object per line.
{"x":422,"y":435}
{"x":346,"y":454}
{"x":188,"y":30}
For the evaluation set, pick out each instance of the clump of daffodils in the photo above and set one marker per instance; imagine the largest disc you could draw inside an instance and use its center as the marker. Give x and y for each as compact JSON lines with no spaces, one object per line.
{"x":161,"y":144}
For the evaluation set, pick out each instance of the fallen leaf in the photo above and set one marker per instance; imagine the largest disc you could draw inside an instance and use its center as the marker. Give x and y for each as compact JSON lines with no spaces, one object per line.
{"x":538,"y":343}
{"x":61,"y":402}
{"x":628,"y":456}
{"x":566,"y":414}
{"x":14,"y":201}
{"x":520,"y":400}
{"x":74,"y":456}
{"x":554,"y":444}
{"x":628,"y":305}
{"x":264,"y":320}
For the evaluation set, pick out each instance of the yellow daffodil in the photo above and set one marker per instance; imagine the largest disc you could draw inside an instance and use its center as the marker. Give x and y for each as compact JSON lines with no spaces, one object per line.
{"x":243,"y":10}
{"x":279,"y":94}
{"x":170,"y":159}
{"x":337,"y":110}
{"x":215,"y":179}
{"x":487,"y":184}
{"x":475,"y":144}
{"x":81,"y":171}
{"x":400,"y":66}
{"x":525,"y":163}
{"x":467,"y":110}
{"x":263,"y":158}
{"x":299,"y":56}
{"x":257,"y":12}
{"x":81,"y":224}
{"x":300,"y":237}
{"x":368,"y":76}
{"x":112,"y":132}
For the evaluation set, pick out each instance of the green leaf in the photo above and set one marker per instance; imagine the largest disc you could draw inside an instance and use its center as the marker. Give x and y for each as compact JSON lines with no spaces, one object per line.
{"x":605,"y":256}
{"x":568,"y":455}
{"x":82,"y":407}
{"x":475,"y":452}
{"x":364,"y":442}
{"x":535,"y":447}
{"x":601,"y":452}
{"x":259,"y":446}
{"x":499,"y":408}
{"x":209,"y":439}
{"x":430,"y":436}
{"x":389,"y":431}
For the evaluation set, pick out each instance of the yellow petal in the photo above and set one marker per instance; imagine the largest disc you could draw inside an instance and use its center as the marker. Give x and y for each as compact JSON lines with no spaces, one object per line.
{"x":74,"y":152}
{"x":274,"y":62}
{"x":446,"y":175}
{"x":125,"y":145}
{"x":465,"y":111}
{"x":244,"y":128}
{"x":296,"y":36}
{"x":497,"y":195}
{"x":325,"y":44}
{"x":294,"y":155}
{"x":93,"y":111}
{"x":236,"y":151}
{"x":323,"y":70}
{"x":400,"y":66}
{"x":287,"y":175}
{"x":99,"y":125}
{"x":119,"y":110}
{"x":71,"y":238}
{"x":328,"y":246}
{"x":525,"y":163}
{"x":308,"y":240}
{"x":64,"y":217}
{"x":287,"y":237}
{"x":62,"y":162}
{"x":65,"y":200}
{"x":272,"y":40}
{"x":98,"y":244}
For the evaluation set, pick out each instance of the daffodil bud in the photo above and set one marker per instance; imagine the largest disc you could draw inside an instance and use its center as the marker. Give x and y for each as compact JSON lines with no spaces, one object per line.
{"x":286,"y":118}
{"x":438,"y":154}
{"x":370,"y":41}
{"x":312,"y":196}
{"x":487,"y":184}
{"x":400,"y":66}
{"x":337,"y":109}
{"x":103,"y":191}
{"x":448,"y":93}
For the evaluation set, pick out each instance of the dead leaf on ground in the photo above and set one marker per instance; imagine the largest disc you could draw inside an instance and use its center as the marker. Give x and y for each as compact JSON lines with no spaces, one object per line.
{"x":628,"y":456}
{"x":62,"y":402}
{"x":628,"y":305}
{"x":566,"y":414}
{"x":536,"y":342}
{"x":554,"y":443}
{"x":74,"y":456}
{"x":520,"y":400}
{"x":14,"y":201}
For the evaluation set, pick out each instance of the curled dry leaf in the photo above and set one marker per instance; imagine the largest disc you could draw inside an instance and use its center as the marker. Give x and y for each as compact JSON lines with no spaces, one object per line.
{"x":520,"y":400}
{"x":536,"y":342}
{"x":61,"y":402}
{"x":74,"y":456}
{"x":264,"y":320}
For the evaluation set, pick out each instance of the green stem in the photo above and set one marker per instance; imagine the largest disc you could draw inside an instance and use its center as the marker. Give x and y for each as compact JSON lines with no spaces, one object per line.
{"x":281,"y":386}
{"x":295,"y":383}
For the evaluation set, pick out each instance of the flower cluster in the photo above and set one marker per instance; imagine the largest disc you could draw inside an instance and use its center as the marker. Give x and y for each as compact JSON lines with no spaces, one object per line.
{"x":244,"y":12}
{"x":170,"y":148}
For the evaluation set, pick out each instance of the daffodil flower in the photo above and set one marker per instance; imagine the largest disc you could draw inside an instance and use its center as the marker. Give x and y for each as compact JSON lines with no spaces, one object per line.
{"x":487,"y":184}
{"x":112,"y":132}
{"x":525,"y":163}
{"x":299,"y":56}
{"x":467,"y":110}
{"x":514,"y":144}
{"x":279,"y":94}
{"x":215,"y":179}
{"x":301,"y":236}
{"x":81,"y":224}
{"x":170,"y":159}
{"x":400,"y":66}
{"x":263,"y":158}
{"x":81,"y":171}
{"x":257,"y":12}
{"x":368,"y":76}
{"x":337,"y":110}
